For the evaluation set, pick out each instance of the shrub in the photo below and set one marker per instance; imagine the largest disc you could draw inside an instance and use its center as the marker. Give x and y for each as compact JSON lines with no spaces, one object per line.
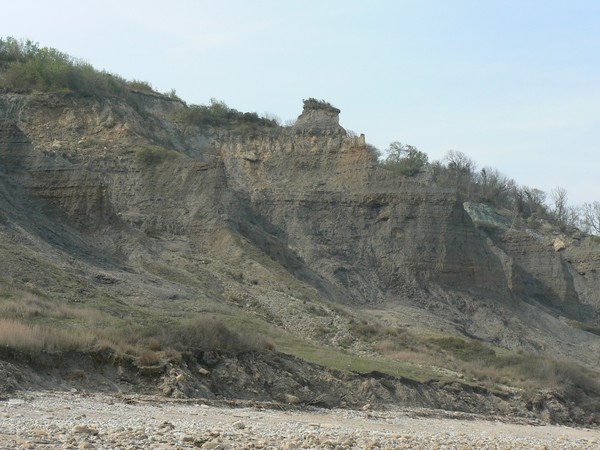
{"x":591,"y":217}
{"x":456,"y":170}
{"x":313,"y":103}
{"x":26,"y":65}
{"x":143,"y":86}
{"x":149,"y":358}
{"x":363,"y":329}
{"x":465,"y":350}
{"x":172,"y":355}
{"x":405,"y":159}
{"x":373,"y":151}
{"x":208,"y":334}
{"x":151,"y":156}
{"x":153,"y":344}
{"x":217,"y":113}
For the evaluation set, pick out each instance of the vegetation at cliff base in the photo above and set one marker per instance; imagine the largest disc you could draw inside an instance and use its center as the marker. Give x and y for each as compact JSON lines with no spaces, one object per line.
{"x":31,"y":323}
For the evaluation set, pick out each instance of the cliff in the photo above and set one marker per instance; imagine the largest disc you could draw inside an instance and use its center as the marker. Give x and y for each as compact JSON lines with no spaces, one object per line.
{"x":104,"y":200}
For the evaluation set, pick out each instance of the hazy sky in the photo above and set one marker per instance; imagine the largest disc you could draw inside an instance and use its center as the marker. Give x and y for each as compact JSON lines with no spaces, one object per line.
{"x":513,"y":84}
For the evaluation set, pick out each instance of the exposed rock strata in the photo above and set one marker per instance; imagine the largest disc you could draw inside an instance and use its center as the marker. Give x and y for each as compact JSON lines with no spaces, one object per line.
{"x":309,"y":196}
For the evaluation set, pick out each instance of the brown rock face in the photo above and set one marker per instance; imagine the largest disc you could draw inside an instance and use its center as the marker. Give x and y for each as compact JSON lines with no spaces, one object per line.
{"x":310,"y":197}
{"x":555,"y":271}
{"x":540,"y":273}
{"x":69,"y":188}
{"x":371,"y":235}
{"x":583,"y":260}
{"x":15,"y":147}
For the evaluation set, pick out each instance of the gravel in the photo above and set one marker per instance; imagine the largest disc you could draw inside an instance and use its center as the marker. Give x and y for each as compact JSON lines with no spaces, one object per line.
{"x":73,"y":420}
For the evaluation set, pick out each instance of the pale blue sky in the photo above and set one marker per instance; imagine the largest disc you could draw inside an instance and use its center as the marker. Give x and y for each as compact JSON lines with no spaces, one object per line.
{"x":513,"y":84}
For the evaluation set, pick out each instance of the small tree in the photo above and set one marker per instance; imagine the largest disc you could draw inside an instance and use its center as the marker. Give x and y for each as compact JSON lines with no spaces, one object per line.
{"x":493,"y":186}
{"x":591,"y":217}
{"x":534,"y":201}
{"x":456,"y":170}
{"x":374,"y":151}
{"x":460,"y":164}
{"x":562,"y":213}
{"x":405,"y":159}
{"x":559,"y":198}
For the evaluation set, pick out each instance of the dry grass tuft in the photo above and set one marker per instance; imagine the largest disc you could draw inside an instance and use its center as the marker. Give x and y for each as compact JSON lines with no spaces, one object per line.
{"x":26,"y":305}
{"x":172,"y":355}
{"x":149,"y":358}
{"x":29,"y":337}
{"x":153,"y":344}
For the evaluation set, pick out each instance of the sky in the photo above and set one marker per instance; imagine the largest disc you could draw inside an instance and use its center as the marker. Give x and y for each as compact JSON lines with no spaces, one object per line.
{"x":513,"y":84}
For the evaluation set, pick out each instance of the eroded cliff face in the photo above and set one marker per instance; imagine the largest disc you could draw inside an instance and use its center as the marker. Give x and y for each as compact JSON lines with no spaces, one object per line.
{"x":309,"y":196}
{"x":374,"y":236}
{"x":553,"y":269}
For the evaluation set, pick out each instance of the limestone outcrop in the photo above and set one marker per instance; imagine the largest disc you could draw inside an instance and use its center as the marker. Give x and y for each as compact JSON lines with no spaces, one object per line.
{"x":319,"y":117}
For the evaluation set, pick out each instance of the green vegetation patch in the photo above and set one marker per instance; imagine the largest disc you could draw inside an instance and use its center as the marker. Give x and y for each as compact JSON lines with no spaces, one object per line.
{"x":313,"y":103}
{"x":405,"y":159}
{"x":154,"y":155}
{"x":333,"y":358}
{"x":348,"y":362}
{"x":218,"y":114}
{"x":465,"y":350}
{"x":26,"y":65}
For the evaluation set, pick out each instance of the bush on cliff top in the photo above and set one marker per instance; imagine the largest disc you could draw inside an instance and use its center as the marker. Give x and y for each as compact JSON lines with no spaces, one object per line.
{"x":405,"y":159}
{"x":313,"y":103}
{"x":218,"y":114}
{"x":26,"y":65}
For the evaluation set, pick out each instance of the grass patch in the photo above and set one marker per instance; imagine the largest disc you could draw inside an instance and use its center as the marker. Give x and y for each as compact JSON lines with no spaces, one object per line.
{"x":362,"y":329}
{"x":34,"y":307}
{"x":347,"y":362}
{"x":569,"y":378}
{"x":327,"y":357}
{"x":483,"y":364}
{"x":33,"y":323}
{"x":385,"y":339}
{"x":34,"y":338}
{"x":466,"y":350}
